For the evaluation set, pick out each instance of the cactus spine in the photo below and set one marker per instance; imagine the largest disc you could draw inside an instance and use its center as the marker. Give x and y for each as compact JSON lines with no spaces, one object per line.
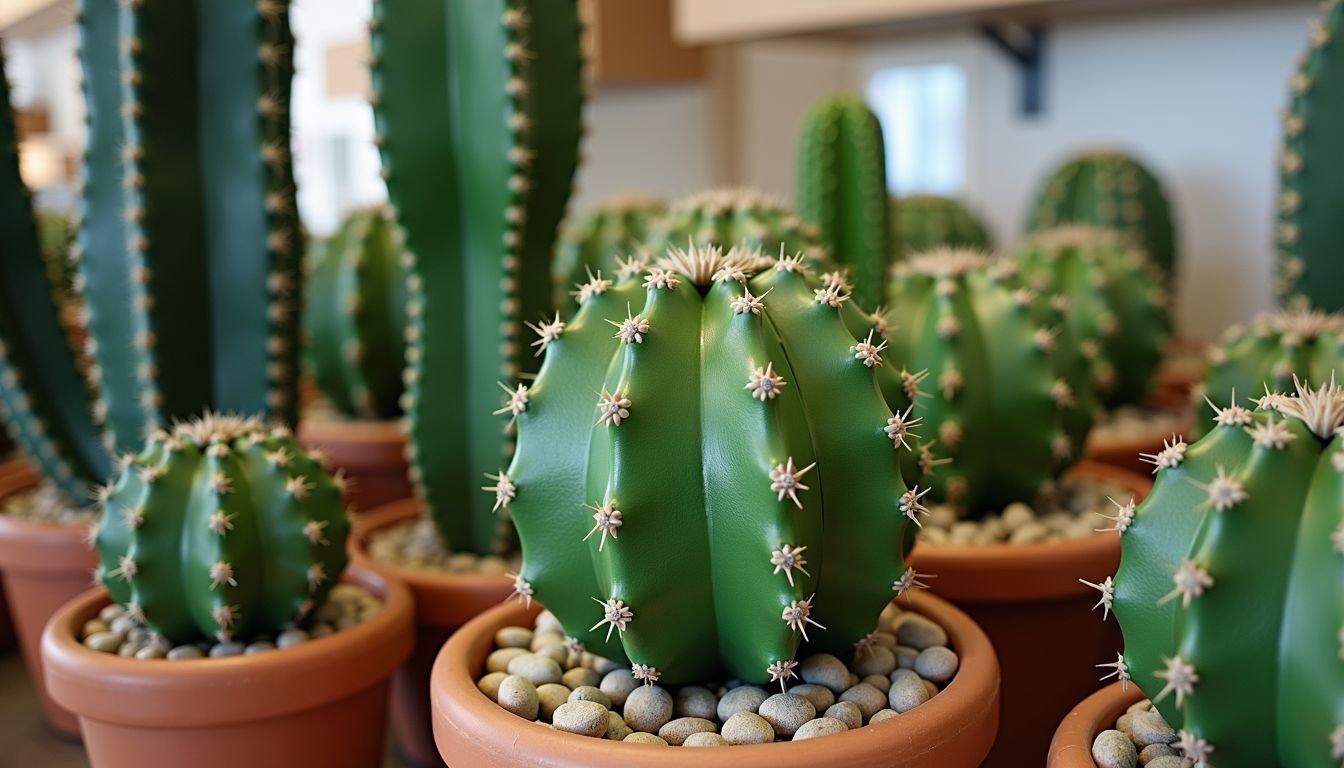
{"x":599,"y":240}
{"x":1230,"y":591}
{"x":842,"y":188}
{"x":480,"y":176}
{"x":729,"y":218}
{"x":355,"y":316}
{"x":928,"y":222}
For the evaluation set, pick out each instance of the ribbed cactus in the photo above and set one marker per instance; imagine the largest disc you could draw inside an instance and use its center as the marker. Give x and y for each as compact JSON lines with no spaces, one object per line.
{"x":1230,"y":591}
{"x":1310,"y":230}
{"x":598,"y":241}
{"x":1110,"y":190}
{"x":1004,"y":380}
{"x":926,"y":222}
{"x":1110,"y":300}
{"x":478,"y":106}
{"x":355,"y":315}
{"x":715,"y":482}
{"x":842,"y":189}
{"x":730,"y":218}
{"x":222,"y":528}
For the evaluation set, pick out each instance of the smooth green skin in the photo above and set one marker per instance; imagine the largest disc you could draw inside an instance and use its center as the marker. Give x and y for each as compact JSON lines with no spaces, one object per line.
{"x":692,"y":559}
{"x":926,"y":222}
{"x":355,"y":315}
{"x":453,"y":165}
{"x":735,"y":217}
{"x":1265,"y":637}
{"x":842,"y":189}
{"x":1110,"y":191}
{"x":597,"y":240}
{"x":174,"y":546}
{"x":1312,"y":188}
{"x":1112,"y":303}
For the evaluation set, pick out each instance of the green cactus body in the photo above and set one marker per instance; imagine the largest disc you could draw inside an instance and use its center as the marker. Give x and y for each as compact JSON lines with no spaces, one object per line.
{"x":730,"y":218}
{"x":1110,"y":190}
{"x":1312,"y":187}
{"x":737,"y":487}
{"x":1231,"y":586}
{"x":599,"y":240}
{"x":1006,"y":383}
{"x":56,"y":235}
{"x":221,"y":529}
{"x":480,"y":177}
{"x":928,"y":222}
{"x":842,"y":188}
{"x":1110,"y":301}
{"x":355,"y":316}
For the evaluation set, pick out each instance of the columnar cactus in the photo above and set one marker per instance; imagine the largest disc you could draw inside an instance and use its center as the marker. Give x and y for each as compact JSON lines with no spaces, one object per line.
{"x":1110,"y":190}
{"x":1110,"y":303}
{"x":717,"y":481}
{"x":730,"y":218}
{"x":478,"y":107}
{"x":599,"y":240}
{"x":221,"y":528}
{"x":1312,"y":188}
{"x":355,"y":316}
{"x":926,"y":222}
{"x":1230,"y":592}
{"x":842,"y":189}
{"x":1000,"y":374}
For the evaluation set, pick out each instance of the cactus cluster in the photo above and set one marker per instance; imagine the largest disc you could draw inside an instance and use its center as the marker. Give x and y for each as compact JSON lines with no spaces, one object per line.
{"x":221,"y":528}
{"x":355,"y":315}
{"x":730,"y":218}
{"x":926,"y":222}
{"x":599,"y":239}
{"x":1229,"y":590}
{"x":707,"y":475}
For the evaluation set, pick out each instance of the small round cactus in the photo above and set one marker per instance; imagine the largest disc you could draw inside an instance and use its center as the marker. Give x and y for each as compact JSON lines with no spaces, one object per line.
{"x":926,"y":222}
{"x":222,"y":528}
{"x":729,"y":218}
{"x":599,"y":239}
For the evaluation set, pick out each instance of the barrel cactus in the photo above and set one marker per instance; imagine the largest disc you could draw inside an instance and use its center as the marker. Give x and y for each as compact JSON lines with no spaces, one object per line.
{"x":1244,"y":661}
{"x":221,"y":528}
{"x":1110,"y":190}
{"x":715,"y":482}
{"x":735,"y":217}
{"x":927,"y":222}
{"x":355,"y":316}
{"x":599,"y":240}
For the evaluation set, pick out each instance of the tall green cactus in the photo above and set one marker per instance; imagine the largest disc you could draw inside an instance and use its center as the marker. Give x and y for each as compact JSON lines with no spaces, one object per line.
{"x":355,"y":315}
{"x":927,"y":222}
{"x":1110,"y":190}
{"x":1006,"y":382}
{"x":222,"y":528}
{"x":478,"y":106}
{"x":842,"y":188}
{"x":599,"y":240}
{"x":1230,"y":591}
{"x":1310,"y":229}
{"x":730,"y":218}
{"x":1110,"y":300}
{"x":736,"y":489}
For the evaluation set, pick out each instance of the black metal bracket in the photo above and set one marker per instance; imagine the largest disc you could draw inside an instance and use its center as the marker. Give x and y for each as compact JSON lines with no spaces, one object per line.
{"x":1026,"y":47}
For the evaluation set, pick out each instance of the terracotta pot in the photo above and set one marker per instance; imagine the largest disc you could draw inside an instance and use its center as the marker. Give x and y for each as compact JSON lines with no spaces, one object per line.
{"x":443,"y":602}
{"x":1029,"y":601}
{"x":323,"y":703}
{"x":1072,"y":745}
{"x":1124,"y":453}
{"x":1183,"y":367}
{"x":372,"y":453}
{"x":44,"y":566}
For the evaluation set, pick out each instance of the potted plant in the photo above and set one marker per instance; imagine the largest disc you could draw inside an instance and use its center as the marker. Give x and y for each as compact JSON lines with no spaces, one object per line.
{"x":927,"y":222}
{"x":599,"y":240}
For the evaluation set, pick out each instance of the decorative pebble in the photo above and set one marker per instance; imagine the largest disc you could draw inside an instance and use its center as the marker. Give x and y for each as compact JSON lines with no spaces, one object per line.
{"x":581,"y":677}
{"x":1169,"y":761}
{"x":617,"y":730}
{"x":549,"y":698}
{"x":618,"y":684}
{"x":825,"y":669}
{"x":747,"y":698}
{"x":151,"y":652}
{"x":920,"y":633}
{"x":220,"y":650}
{"x":94,"y":626}
{"x":1016,"y":515}
{"x":704,"y":739}
{"x":1149,"y":728}
{"x":498,"y":661}
{"x":489,"y":685}
{"x":106,"y":642}
{"x":875,"y":660}
{"x":291,"y":637}
{"x":556,"y":652}
{"x":1113,"y":749}
{"x":695,"y":701}
{"x":676,"y":731}
{"x":846,"y":712}
{"x":110,"y":613}
{"x":606,"y":666}
{"x":644,"y":738}
{"x":122,"y":625}
{"x":867,"y":698}
{"x":822,"y":726}
{"x":907,"y":691}
{"x":748,"y":728}
{"x":586,"y":718}
{"x":540,"y":640}
{"x":786,"y":713}
{"x":820,"y":696}
{"x":539,"y":669}
{"x":1142,"y":706}
{"x":882,"y":714}
{"x":185,"y":652}
{"x":260,"y":647}
{"x":518,"y":695}
{"x":1031,"y":533}
{"x":513,"y":637}
{"x":937,"y":664}
{"x":648,"y":708}
{"x":905,"y":656}
{"x":1153,"y":751}
{"x":590,"y":693}
{"x":546,"y":622}
{"x":880,"y":682}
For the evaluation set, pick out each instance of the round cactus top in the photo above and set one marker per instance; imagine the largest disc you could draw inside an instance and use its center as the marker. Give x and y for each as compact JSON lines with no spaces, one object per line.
{"x":1074,"y":236}
{"x":1320,"y":409}
{"x":728,"y":199}
{"x":950,"y":262}
{"x":218,"y":428}
{"x":1295,"y":325}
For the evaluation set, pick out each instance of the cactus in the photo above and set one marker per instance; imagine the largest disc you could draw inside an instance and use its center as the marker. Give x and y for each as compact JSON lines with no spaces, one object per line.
{"x":478,"y":107}
{"x":842,"y":189}
{"x":221,"y":529}
{"x":735,"y":492}
{"x":1312,"y":189}
{"x":1006,"y":382}
{"x":1110,"y":301}
{"x":1110,"y":190}
{"x":56,"y":235}
{"x":1229,"y":590}
{"x":735,"y":217}
{"x":599,"y":239}
{"x":355,"y":317}
{"x":927,"y":222}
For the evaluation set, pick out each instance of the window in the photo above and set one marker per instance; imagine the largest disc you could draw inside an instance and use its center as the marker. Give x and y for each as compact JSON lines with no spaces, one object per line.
{"x":923,"y":114}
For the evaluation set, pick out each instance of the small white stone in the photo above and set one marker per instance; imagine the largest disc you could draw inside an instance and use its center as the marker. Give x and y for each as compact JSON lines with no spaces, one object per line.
{"x":489,"y":685}
{"x":644,"y":738}
{"x":826,"y":670}
{"x":882,"y":714}
{"x":822,"y":726}
{"x":820,"y":696}
{"x":867,"y":698}
{"x":618,"y":684}
{"x":1113,"y":749}
{"x":746,"y":698}
{"x":677,"y":731}
{"x":786,"y":713}
{"x":907,"y":691}
{"x":920,"y":633}
{"x":846,"y":712}
{"x":590,"y":693}
{"x":705,"y":739}
{"x":748,"y":728}
{"x":549,"y":698}
{"x":519,"y":696}
{"x":937,"y":664}
{"x":536,"y":668}
{"x":586,"y":718}
{"x":695,"y":701}
{"x":647,"y":708}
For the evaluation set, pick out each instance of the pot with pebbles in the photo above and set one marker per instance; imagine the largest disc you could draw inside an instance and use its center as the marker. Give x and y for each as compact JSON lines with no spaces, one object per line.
{"x":1117,"y":728}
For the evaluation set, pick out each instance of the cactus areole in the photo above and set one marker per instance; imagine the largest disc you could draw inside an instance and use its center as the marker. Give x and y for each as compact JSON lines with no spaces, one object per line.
{"x":707,"y":475}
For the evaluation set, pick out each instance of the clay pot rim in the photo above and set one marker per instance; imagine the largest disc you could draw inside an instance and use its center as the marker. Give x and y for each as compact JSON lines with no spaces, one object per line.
{"x":1072,"y":744}
{"x":100,"y":686}
{"x":961,"y":707}
{"x":418,"y":579}
{"x":37,"y":546}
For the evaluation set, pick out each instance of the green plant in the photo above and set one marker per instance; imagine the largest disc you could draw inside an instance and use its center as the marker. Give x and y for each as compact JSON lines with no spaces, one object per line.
{"x":1108,"y":300}
{"x":737,"y":485}
{"x":1312,"y":189}
{"x":1229,"y":588}
{"x":355,"y":316}
{"x":56,"y":234}
{"x":730,"y":218}
{"x":842,"y":189}
{"x":222,"y":528}
{"x":599,"y":240}
{"x":927,"y":222}
{"x":478,"y":107}
{"x":1110,"y":190}
{"x":1006,"y":382}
